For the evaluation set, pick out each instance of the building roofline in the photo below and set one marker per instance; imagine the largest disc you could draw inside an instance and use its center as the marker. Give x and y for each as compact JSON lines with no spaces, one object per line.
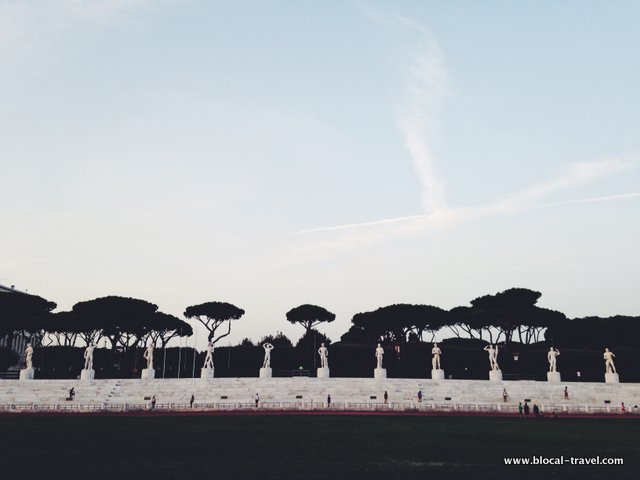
{"x":11,"y":289}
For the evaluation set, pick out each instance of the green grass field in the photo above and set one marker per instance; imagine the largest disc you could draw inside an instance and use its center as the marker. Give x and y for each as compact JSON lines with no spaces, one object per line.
{"x":308,"y":447}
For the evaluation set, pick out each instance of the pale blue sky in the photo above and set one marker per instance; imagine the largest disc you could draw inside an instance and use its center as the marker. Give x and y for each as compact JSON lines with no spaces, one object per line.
{"x":347,"y":154}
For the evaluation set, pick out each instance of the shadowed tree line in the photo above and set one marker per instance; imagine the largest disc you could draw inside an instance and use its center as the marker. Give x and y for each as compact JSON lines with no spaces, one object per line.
{"x":511,"y":318}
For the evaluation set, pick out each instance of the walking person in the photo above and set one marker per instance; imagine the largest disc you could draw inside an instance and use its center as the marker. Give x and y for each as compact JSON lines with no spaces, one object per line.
{"x":386,"y":397}
{"x":257,"y":399}
{"x":505,"y":395}
{"x":329,"y":400}
{"x":419,"y":396}
{"x":191,"y":401}
{"x":566,"y":393}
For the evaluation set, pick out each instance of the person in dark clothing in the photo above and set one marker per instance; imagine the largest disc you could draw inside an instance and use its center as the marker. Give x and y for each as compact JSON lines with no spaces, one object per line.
{"x":526,"y":408}
{"x":419,"y":396}
{"x":329,"y":400}
{"x":536,"y":410}
{"x":191,"y":401}
{"x":386,"y":397}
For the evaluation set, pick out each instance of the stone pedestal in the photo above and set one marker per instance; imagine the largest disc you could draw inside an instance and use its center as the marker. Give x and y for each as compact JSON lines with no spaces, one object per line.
{"x":380,"y":373}
{"x":206,"y":372}
{"x":27,"y":374}
{"x":611,"y":378}
{"x":437,"y":374}
{"x":265,"y":373}
{"x":553,"y":377}
{"x":87,"y":374}
{"x":148,"y":374}
{"x":323,"y":373}
{"x":495,"y":375}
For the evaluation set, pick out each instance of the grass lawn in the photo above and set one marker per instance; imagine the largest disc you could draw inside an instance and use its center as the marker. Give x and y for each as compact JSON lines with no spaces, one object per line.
{"x":308,"y":447}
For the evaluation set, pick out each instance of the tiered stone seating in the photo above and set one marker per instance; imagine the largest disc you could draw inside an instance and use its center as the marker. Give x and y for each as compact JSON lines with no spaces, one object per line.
{"x":307,"y":392}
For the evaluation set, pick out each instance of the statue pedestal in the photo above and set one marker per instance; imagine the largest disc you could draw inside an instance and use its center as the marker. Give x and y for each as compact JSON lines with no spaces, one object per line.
{"x":380,"y":373}
{"x":495,"y":375}
{"x":265,"y":372}
{"x":608,"y":378}
{"x":323,"y":373}
{"x":206,"y":372}
{"x":553,"y":377}
{"x":148,"y":374}
{"x":27,"y":374}
{"x":87,"y":374}
{"x":437,"y":374}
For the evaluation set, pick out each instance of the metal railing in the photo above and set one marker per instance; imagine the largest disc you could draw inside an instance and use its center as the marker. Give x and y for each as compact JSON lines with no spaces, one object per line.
{"x":424,"y":407}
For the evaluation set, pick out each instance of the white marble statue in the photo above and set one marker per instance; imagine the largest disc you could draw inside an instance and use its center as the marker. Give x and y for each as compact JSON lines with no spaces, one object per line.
{"x":493,"y":356}
{"x":267,"y":355}
{"x":379,"y":355}
{"x":208,"y":359}
{"x":324,"y":356}
{"x":551,"y":356}
{"x":148,"y":356}
{"x":28,"y":355}
{"x":608,"y":361}
{"x":435,"y":361}
{"x":88,"y":357}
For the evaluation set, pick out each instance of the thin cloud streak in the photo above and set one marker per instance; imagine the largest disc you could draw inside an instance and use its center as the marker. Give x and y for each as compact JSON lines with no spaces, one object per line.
{"x":578,"y":174}
{"x":417,"y":118}
{"x":359,"y":225}
{"x":24,"y":24}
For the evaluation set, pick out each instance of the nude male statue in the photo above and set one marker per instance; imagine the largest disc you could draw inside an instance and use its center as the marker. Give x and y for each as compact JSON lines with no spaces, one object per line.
{"x":551,"y":356}
{"x":208,"y":359}
{"x":28,"y":355}
{"x":379,"y":355}
{"x":608,"y":361}
{"x":493,"y":356}
{"x":267,"y":355}
{"x":435,"y":361}
{"x":88,"y":357}
{"x":324,"y":354}
{"x":148,"y":355}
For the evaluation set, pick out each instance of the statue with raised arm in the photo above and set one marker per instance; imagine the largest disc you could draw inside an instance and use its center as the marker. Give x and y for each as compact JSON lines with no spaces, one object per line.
{"x":148,"y":356}
{"x":379,"y":355}
{"x":551,"y":356}
{"x":324,"y":356}
{"x":435,"y":361}
{"x":208,"y":359}
{"x":493,"y":356}
{"x":88,"y":357}
{"x":267,"y":355}
{"x":28,"y":355}
{"x":608,"y":361}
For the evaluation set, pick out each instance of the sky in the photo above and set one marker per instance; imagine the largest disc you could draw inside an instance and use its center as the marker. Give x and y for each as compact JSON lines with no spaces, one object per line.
{"x":348,"y":154}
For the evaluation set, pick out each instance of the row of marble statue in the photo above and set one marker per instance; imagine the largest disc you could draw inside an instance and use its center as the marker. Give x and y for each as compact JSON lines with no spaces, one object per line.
{"x":552,"y":354}
{"x":492,"y":350}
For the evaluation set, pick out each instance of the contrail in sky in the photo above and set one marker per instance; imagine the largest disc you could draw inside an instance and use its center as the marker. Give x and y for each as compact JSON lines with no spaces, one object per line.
{"x":417,"y":119}
{"x":417,"y":123}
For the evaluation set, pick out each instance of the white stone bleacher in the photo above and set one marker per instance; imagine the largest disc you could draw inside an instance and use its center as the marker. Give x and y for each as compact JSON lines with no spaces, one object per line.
{"x":306,"y":392}
{"x":47,"y":393}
